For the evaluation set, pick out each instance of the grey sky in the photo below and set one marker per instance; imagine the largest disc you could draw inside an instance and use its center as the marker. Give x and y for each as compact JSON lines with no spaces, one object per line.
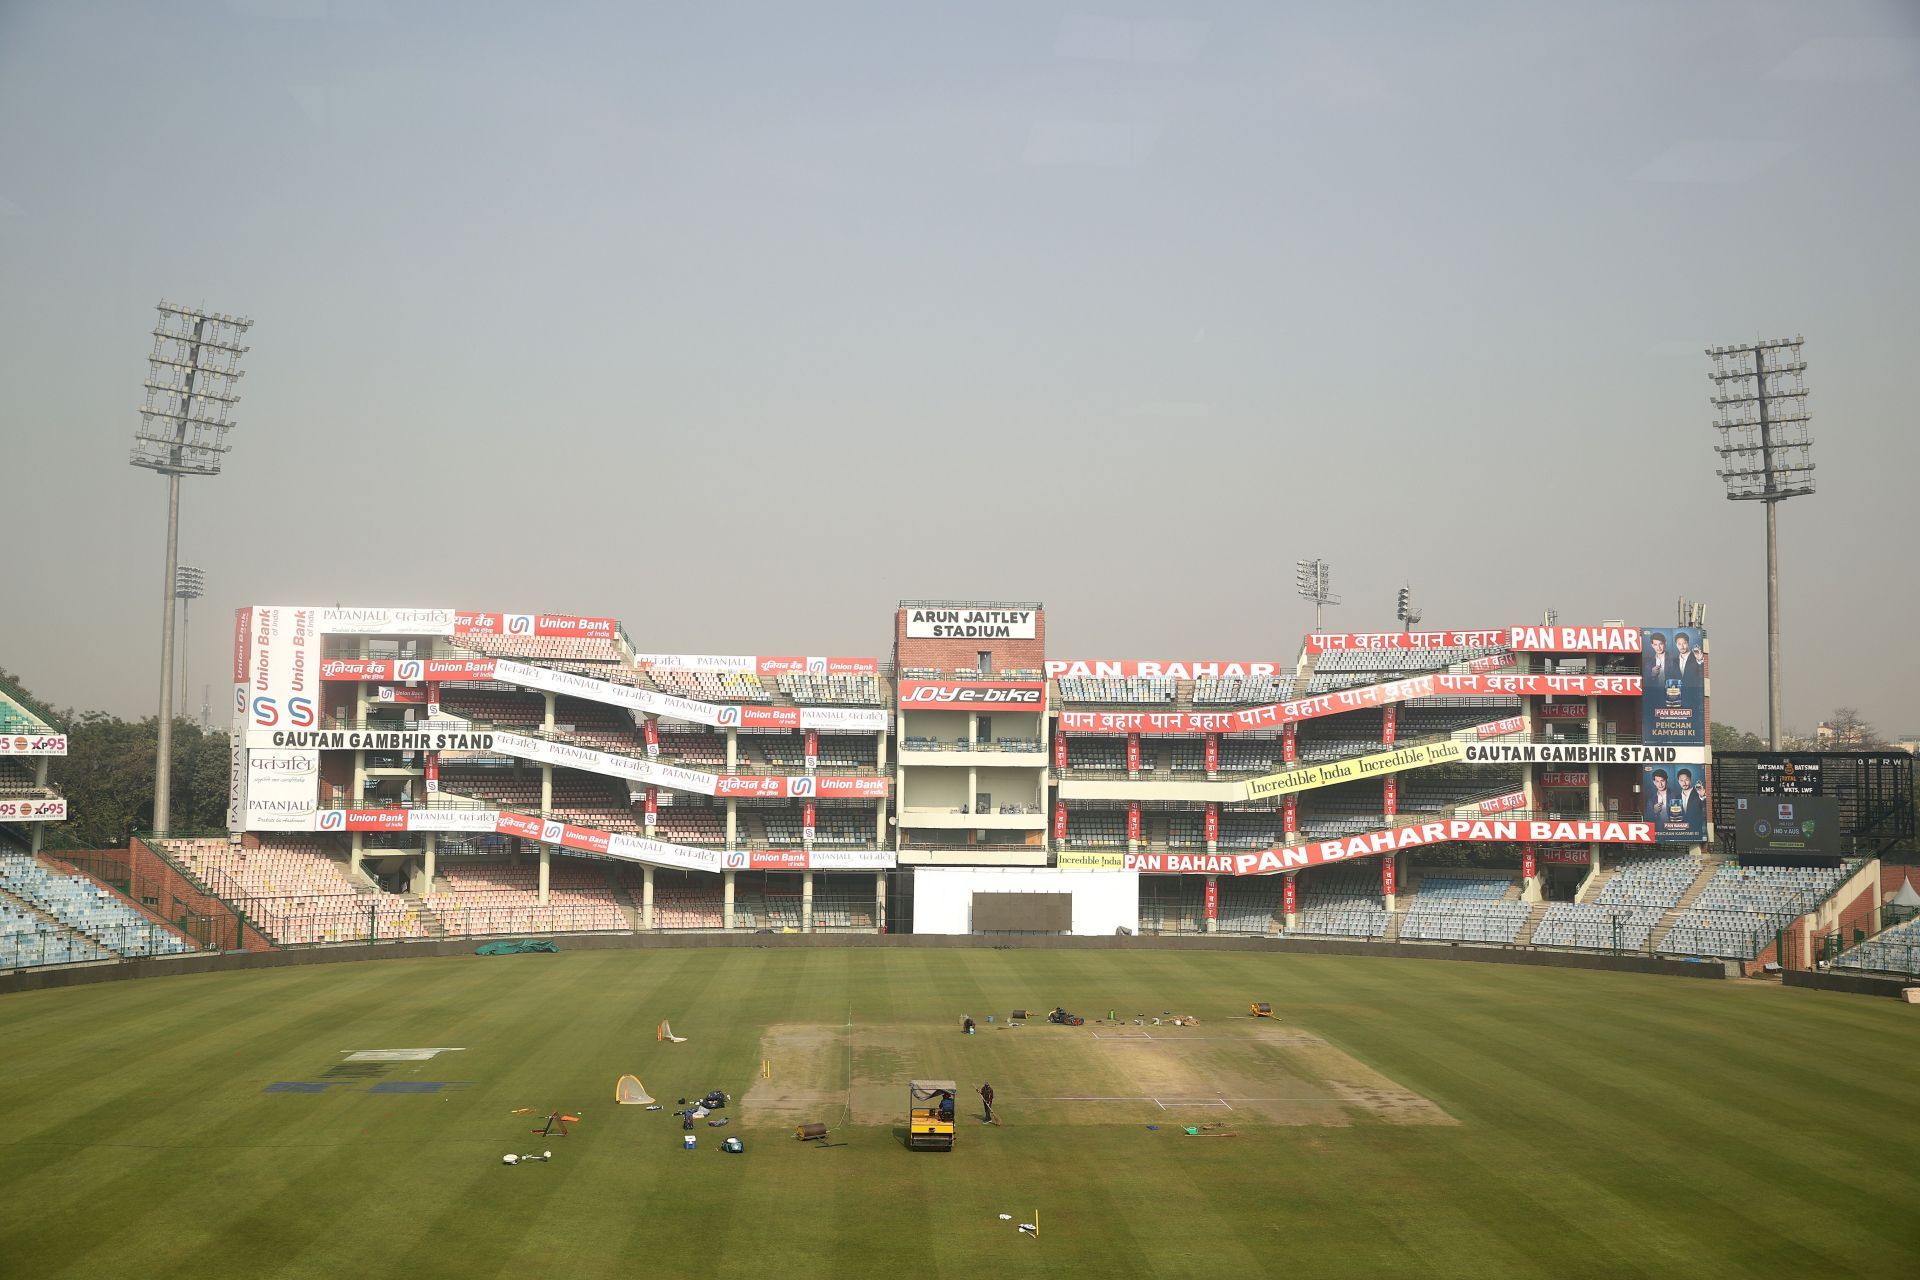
{"x":741,"y":321}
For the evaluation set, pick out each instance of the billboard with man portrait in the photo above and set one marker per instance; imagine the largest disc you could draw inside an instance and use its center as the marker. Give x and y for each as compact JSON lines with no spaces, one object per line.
{"x":1673,"y":687}
{"x":1673,"y":797}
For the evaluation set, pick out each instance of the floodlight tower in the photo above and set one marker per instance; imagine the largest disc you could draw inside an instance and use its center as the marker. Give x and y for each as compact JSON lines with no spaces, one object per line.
{"x":189,"y":584}
{"x":1310,"y":581}
{"x":1765,"y":456}
{"x":1408,"y":612}
{"x":192,"y":384}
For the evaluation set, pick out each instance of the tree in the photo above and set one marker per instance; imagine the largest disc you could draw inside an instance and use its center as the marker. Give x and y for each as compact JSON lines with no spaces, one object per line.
{"x":1845,"y":730}
{"x":107,"y":778}
{"x":1726,"y":737}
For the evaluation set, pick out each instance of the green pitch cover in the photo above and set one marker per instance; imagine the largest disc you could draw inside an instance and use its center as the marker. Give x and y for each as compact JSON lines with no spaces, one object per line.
{"x":516,"y":947}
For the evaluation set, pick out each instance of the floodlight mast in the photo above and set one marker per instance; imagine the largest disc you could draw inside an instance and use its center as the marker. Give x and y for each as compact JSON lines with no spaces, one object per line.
{"x":192,"y":377}
{"x":1765,"y":456}
{"x":189,"y":584}
{"x":1310,"y":581}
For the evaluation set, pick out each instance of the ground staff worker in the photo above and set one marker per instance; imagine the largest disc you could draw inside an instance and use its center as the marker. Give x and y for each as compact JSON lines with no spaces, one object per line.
{"x":986,"y":1097}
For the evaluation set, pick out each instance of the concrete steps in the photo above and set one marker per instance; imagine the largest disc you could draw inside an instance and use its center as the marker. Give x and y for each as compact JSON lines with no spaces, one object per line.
{"x":1525,"y":937}
{"x":1694,"y":890}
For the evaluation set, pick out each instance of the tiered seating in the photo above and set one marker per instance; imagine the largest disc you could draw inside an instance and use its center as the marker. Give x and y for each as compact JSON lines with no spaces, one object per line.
{"x":503,"y":787}
{"x":1342,"y":902}
{"x":1330,"y":826}
{"x":1464,"y":906}
{"x":545,"y":648}
{"x":1352,"y":806}
{"x":694,"y":747}
{"x":1243,"y":690}
{"x":484,"y":898}
{"x":848,"y":751}
{"x":1388,"y":663}
{"x":710,"y":686}
{"x":87,"y":908}
{"x":691,"y":903}
{"x":779,"y":750}
{"x":1188,"y":756}
{"x":1357,"y":733}
{"x":1249,"y":830}
{"x":1742,"y":908}
{"x":843,"y":827}
{"x":783,"y":826}
{"x":1106,"y":754}
{"x":1250,"y":906}
{"x":16,"y":779}
{"x":688,"y":824}
{"x":494,"y":706}
{"x":858,"y":691}
{"x":1138,"y":689}
{"x":1186,"y":831}
{"x":1896,"y":950}
{"x":1634,"y":901}
{"x":28,"y":938}
{"x":295,"y":892}
{"x":840,"y":912}
{"x":1249,"y":755}
{"x":1421,"y":793}
{"x":1172,"y":904}
{"x":1427,"y":720}
{"x":1097,"y":828}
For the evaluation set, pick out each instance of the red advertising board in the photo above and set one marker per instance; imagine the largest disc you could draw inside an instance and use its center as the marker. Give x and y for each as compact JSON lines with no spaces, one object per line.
{"x":1563,"y":778}
{"x":1390,"y":795}
{"x":532,"y":624}
{"x":1564,"y":709}
{"x":1527,"y":864}
{"x":1330,"y":642}
{"x":1129,"y":669}
{"x":1504,"y":804}
{"x":1500,"y":728}
{"x":1570,"y":856}
{"x":806,"y":821}
{"x":1133,"y":822}
{"x":1290,"y":814}
{"x":1490,"y":662}
{"x":1389,"y":869}
{"x":1059,"y":751}
{"x":1389,"y":724}
{"x":992,"y":695}
{"x":778,"y":860}
{"x":1213,"y":753}
{"x":652,"y":732}
{"x":1059,"y":819}
{"x":1574,"y":640}
{"x":1133,"y":753}
{"x":1289,"y":896}
{"x":1289,"y":745}
{"x":1213,"y":824}
{"x":782,"y":666}
{"x":1213,"y":899}
{"x":402,"y":670}
{"x":1293,"y":857}
{"x":653,"y":805}
{"x":811,"y":749}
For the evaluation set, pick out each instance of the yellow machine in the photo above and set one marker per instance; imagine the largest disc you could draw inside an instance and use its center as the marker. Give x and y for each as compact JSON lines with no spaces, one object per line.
{"x":1261,"y":1009}
{"x":930,"y":1115}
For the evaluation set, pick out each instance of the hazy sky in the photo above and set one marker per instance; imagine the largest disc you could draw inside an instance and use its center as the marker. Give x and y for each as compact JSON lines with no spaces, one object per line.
{"x":741,"y":321}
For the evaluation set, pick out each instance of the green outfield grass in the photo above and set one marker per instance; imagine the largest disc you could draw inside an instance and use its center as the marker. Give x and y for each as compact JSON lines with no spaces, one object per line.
{"x":1405,"y":1118}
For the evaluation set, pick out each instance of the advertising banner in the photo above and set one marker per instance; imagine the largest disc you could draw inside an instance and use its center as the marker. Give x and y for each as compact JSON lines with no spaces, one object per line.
{"x":237,"y":729}
{"x":51,"y":809}
{"x":1289,"y":896}
{"x":1528,"y":866}
{"x":1389,"y":724}
{"x":553,"y":625}
{"x":1004,"y":695}
{"x":1211,"y":753}
{"x":1392,"y":840}
{"x":750,"y":664}
{"x":1504,"y":804}
{"x":400,"y":670}
{"x":1564,"y":778}
{"x":1127,"y":669}
{"x":475,"y":821}
{"x":1674,"y":801}
{"x":652,"y":803}
{"x":1574,"y":640}
{"x":384,"y":622}
{"x":1213,"y":899}
{"x":33,"y":744}
{"x":433,"y":771}
{"x":400,"y":695}
{"x":1090,"y":860}
{"x":851,"y":859}
{"x":1330,"y":642}
{"x":1389,"y":872}
{"x":1211,"y":826}
{"x":1584,"y":753}
{"x":1290,"y":744}
{"x":1290,"y":815}
{"x":651,"y":731}
{"x":1280,"y":714}
{"x":1780,"y":824}
{"x":811,"y":749}
{"x":283,"y":665}
{"x":1390,"y":796}
{"x":1307,"y":777}
{"x":965,"y":623}
{"x":375,"y":739}
{"x":1059,"y":819}
{"x":1673,"y":681}
{"x":806,"y":821}
{"x":719,"y":715}
{"x":1133,"y":753}
{"x":1571,"y":856}
{"x":1784,"y":775}
{"x":1133,"y":822}
{"x":1490,"y":662}
{"x":1568,"y":709}
{"x":1060,"y":752}
{"x":1500,"y":728}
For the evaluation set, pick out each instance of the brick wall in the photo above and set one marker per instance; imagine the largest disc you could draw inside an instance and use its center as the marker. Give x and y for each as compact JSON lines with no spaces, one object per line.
{"x":949,"y":654}
{"x":210,"y":922}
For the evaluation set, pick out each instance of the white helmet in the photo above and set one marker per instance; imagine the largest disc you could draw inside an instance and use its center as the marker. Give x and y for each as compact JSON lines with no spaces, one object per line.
{"x":509,"y":1159}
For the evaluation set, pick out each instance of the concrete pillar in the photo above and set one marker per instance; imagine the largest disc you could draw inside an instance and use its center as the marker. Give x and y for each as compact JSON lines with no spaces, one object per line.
{"x":880,"y":900}
{"x":646,"y":896}
{"x":1398,"y":871}
{"x":1293,"y":917}
{"x":1213,"y":887}
{"x":546,"y":869}
{"x":547,"y":721}
{"x":880,"y":824}
{"x":354,"y":855}
{"x":431,"y":842}
{"x":806,"y":902}
{"x":726,"y":899}
{"x":733,"y":751}
{"x":733,"y":821}
{"x":546,"y":788}
{"x":880,"y":751}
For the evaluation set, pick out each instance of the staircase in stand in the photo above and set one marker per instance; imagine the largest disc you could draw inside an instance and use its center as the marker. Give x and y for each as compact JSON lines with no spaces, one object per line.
{"x":1694,"y":890}
{"x":1525,"y":937}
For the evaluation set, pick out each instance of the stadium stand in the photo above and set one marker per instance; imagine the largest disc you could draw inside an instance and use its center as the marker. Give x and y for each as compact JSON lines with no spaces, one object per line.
{"x":580,"y":649}
{"x":1104,"y":754}
{"x":28,"y":939}
{"x":295,"y":891}
{"x":1249,"y":830}
{"x":1454,"y":905}
{"x":831,"y":690}
{"x":1097,"y":828}
{"x":694,"y":747}
{"x":1741,"y":909}
{"x":494,"y":897}
{"x":87,"y":908}
{"x":710,"y":686}
{"x":1342,"y":902}
{"x":1249,"y":755}
{"x":1634,"y":900}
{"x":1138,"y":689}
{"x":1172,"y":904}
{"x":690,"y":824}
{"x":1894,"y":950}
{"x":1242,"y":690}
{"x":1251,"y":907}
